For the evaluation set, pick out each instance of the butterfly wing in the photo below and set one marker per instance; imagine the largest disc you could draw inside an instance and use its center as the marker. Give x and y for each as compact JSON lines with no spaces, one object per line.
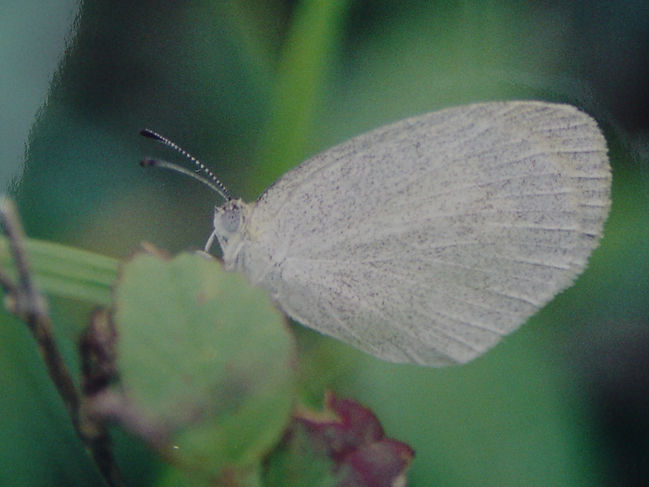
{"x":429,"y":239}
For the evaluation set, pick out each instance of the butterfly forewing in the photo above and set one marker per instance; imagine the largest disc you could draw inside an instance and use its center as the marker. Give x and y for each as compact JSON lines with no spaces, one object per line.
{"x":429,"y":239}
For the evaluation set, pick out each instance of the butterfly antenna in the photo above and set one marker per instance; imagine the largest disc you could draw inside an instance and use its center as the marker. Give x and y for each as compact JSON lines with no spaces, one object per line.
{"x":212,"y":181}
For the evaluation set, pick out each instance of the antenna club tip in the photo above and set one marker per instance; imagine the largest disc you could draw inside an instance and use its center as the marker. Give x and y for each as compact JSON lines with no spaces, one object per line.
{"x":149,"y":133}
{"x":148,"y":162}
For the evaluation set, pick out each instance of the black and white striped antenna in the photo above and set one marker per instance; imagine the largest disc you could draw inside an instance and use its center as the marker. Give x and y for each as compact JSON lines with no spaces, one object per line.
{"x":209,"y":179}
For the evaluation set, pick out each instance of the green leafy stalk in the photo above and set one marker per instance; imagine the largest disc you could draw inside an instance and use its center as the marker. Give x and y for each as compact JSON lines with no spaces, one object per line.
{"x":308,"y":50}
{"x":65,"y":271}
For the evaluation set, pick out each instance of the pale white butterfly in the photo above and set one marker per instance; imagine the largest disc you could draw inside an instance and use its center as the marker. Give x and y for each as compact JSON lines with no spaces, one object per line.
{"x":429,"y":239}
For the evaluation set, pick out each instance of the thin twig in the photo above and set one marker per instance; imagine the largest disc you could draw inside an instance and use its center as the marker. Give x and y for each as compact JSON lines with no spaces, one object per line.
{"x":31,"y":307}
{"x":97,"y":350}
{"x":28,"y":304}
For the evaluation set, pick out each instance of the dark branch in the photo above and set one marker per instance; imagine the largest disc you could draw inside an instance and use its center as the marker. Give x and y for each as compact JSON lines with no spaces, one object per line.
{"x":29,"y":305}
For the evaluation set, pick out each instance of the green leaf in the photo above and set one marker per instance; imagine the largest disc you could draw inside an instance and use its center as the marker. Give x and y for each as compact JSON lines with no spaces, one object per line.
{"x":205,"y":361}
{"x":66,"y":271}
{"x":298,"y":463}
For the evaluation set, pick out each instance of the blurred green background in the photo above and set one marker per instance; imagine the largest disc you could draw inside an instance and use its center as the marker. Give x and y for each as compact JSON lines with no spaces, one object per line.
{"x":252,"y":87}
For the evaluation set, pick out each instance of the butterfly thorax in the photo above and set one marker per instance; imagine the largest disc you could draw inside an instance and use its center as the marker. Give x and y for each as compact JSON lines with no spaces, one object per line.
{"x":242,"y":250}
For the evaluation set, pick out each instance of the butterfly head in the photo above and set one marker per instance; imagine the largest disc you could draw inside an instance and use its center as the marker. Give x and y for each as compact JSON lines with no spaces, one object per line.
{"x":229,"y":223}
